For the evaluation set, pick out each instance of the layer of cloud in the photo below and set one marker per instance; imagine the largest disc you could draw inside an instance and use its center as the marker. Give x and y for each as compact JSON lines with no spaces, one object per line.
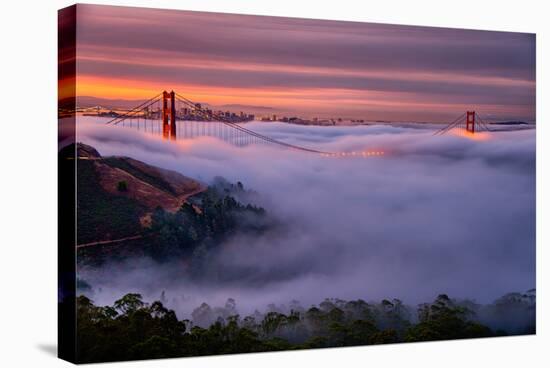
{"x":433,"y":215}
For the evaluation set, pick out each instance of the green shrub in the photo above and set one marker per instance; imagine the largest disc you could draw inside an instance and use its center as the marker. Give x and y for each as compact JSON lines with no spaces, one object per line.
{"x":122,"y":186}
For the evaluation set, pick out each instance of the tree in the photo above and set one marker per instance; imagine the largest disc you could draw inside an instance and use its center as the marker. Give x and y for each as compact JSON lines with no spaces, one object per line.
{"x":203,"y":315}
{"x":122,"y":186}
{"x":444,"y":320}
{"x":129,"y":303}
{"x":133,"y":329}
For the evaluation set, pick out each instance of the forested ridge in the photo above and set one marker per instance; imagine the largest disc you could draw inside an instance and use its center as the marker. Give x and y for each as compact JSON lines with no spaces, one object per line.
{"x":192,"y":232}
{"x":133,"y":329}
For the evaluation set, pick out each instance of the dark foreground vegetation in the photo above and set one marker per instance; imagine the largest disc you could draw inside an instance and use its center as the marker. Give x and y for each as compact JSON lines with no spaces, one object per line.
{"x":202,"y":223}
{"x":132,"y":329}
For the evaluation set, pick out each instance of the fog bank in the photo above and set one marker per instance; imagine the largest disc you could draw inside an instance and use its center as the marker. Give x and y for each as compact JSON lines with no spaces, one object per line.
{"x":444,"y":214}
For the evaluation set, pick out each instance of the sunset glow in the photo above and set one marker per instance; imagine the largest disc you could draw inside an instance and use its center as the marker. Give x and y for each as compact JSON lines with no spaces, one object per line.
{"x":309,"y":68}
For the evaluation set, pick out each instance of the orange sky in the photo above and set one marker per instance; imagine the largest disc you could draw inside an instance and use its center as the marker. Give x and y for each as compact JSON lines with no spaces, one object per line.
{"x":304,"y":67}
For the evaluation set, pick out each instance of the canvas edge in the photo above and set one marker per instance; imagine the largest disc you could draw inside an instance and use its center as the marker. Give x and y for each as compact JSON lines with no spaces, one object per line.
{"x":66,"y":334}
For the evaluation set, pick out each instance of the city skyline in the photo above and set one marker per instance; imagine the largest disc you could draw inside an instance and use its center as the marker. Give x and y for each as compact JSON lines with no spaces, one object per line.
{"x":303,"y":67}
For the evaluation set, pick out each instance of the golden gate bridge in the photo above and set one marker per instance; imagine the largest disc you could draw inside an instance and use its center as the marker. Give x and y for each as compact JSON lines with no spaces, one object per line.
{"x":469,"y":121}
{"x":160,"y":113}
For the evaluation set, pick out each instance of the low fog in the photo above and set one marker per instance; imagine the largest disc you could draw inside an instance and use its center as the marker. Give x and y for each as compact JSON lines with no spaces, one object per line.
{"x":434,"y":214}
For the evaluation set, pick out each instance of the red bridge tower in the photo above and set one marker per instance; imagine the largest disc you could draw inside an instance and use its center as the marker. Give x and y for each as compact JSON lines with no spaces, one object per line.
{"x":471,"y":121}
{"x":169,"y":115}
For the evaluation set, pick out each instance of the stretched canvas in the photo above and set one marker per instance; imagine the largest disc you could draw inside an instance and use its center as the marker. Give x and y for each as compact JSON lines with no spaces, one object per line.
{"x":233,"y":183}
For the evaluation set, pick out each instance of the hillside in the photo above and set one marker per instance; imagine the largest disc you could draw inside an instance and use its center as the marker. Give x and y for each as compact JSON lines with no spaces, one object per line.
{"x":116,"y":195}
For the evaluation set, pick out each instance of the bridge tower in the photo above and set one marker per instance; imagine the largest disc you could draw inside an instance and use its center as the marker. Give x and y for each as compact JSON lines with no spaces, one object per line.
{"x":470,"y":121}
{"x":169,"y":115}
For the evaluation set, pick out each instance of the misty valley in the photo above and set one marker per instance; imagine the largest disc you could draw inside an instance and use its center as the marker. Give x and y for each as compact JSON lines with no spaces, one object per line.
{"x":197,"y":247}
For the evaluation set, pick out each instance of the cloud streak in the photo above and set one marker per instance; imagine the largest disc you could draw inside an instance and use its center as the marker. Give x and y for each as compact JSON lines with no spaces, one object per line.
{"x":210,"y":52}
